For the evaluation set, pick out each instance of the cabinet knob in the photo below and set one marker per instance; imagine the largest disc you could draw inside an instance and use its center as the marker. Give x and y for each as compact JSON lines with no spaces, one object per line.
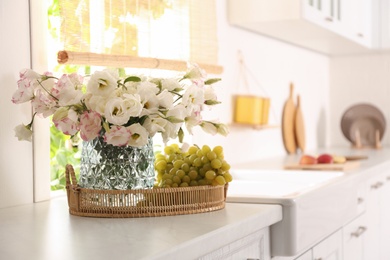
{"x":388,"y":178}
{"x":360,"y":200}
{"x":359,"y":231}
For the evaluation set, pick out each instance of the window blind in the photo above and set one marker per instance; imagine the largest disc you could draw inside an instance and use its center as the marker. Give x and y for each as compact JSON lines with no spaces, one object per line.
{"x":161,"y":34}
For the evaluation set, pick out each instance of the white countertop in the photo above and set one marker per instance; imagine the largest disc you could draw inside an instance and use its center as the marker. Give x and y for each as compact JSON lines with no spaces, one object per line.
{"x":47,"y":231}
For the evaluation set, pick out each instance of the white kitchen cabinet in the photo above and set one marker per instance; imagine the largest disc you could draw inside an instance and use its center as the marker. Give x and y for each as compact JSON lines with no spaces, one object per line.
{"x":384,"y":221}
{"x":354,"y":234}
{"x":357,"y":21}
{"x":254,"y":246}
{"x":378,"y":215}
{"x":330,"y":248}
{"x":333,"y":27}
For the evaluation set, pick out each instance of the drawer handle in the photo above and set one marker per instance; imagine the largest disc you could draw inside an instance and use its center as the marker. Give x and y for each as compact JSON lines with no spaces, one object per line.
{"x":359,"y":232}
{"x":377,"y":185}
{"x":329,"y":19}
{"x":253,"y":259}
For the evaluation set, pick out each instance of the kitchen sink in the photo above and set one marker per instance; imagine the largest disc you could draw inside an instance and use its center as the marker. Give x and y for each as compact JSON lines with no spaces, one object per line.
{"x":277,"y":183}
{"x":315,"y":203}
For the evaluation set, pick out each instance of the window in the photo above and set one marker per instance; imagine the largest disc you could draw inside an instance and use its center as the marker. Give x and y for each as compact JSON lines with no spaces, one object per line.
{"x":143,"y":34}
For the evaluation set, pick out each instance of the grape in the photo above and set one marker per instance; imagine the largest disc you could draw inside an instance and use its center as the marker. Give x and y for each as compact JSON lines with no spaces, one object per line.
{"x":216,"y":163}
{"x":196,"y":166}
{"x":161,"y":165}
{"x":225,"y":166}
{"x":178,"y":163}
{"x":185,"y":167}
{"x":211,"y":155}
{"x":205,"y":149}
{"x":192,"y":150}
{"x":228,"y":177}
{"x":180,"y":173}
{"x":210,"y":175}
{"x":220,"y":180}
{"x":176,"y":179}
{"x":197,"y":162}
{"x":169,"y":150}
{"x":186,"y":179}
{"x":193,"y":174}
{"x":218,"y":149}
{"x":205,"y":159}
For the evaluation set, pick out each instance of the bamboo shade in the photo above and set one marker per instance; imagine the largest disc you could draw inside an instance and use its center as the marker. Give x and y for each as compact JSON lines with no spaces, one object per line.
{"x":162,"y":34}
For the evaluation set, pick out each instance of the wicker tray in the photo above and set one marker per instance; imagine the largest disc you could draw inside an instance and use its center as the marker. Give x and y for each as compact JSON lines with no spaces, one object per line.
{"x":141,"y":203}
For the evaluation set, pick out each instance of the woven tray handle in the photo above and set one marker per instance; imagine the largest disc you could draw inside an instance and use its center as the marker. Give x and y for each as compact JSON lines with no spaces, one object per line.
{"x":70,"y":176}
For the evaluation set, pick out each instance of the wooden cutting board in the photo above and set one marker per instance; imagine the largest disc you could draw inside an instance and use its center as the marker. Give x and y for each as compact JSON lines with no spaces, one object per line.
{"x":299,"y":127}
{"x":349,"y":165}
{"x":288,"y":128}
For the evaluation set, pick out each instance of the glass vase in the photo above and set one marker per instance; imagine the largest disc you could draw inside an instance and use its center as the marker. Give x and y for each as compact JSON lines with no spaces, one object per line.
{"x":109,"y":167}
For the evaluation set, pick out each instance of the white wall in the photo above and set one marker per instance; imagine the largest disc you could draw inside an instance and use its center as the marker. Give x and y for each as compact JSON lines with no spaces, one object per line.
{"x":358,"y":79}
{"x":275,"y":64}
{"x":16,"y":169}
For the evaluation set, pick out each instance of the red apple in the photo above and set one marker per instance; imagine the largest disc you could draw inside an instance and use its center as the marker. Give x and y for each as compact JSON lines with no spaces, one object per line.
{"x":325,"y":158}
{"x":307,"y":159}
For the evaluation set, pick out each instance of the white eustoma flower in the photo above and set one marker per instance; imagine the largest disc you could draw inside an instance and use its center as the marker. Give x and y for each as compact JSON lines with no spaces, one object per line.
{"x":209,"y":127}
{"x":102,"y":83}
{"x":193,"y":120}
{"x":165,"y":99}
{"x":44,"y":104}
{"x":209,"y":93}
{"x":96,"y":103}
{"x":118,"y":111}
{"x":24,"y":93}
{"x":29,"y":74}
{"x":154,"y":125}
{"x":139,"y":135}
{"x":67,"y":123}
{"x":66,"y":91}
{"x":147,"y":92}
{"x":23,"y":132}
{"x":170,"y":84}
{"x":195,"y":72}
{"x":193,"y":96}
{"x":222,"y":129}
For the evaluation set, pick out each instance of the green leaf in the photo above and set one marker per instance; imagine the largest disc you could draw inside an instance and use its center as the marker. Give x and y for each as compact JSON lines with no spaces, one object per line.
{"x":181,"y":135}
{"x":132,"y":78}
{"x":211,"y":81}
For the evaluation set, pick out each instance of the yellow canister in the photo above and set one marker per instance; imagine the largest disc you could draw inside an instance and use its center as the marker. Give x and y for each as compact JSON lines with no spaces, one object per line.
{"x":251,"y":109}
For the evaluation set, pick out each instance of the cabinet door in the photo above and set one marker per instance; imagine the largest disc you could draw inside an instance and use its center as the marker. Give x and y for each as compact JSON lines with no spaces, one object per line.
{"x":356,"y":21}
{"x":322,"y":12}
{"x":305,"y":256}
{"x":254,"y":246}
{"x":353,"y":238}
{"x":385,"y":218}
{"x":373,"y":212}
{"x":330,"y":248}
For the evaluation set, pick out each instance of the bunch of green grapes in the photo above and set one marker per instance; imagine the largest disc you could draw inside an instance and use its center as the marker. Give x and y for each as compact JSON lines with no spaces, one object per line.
{"x":197,"y":166}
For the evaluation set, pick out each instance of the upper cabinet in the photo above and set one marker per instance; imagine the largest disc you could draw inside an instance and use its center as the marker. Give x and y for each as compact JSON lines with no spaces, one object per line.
{"x":333,"y":27}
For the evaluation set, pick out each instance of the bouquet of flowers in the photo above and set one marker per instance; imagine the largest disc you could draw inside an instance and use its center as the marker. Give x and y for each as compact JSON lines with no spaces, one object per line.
{"x":125,"y":111}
